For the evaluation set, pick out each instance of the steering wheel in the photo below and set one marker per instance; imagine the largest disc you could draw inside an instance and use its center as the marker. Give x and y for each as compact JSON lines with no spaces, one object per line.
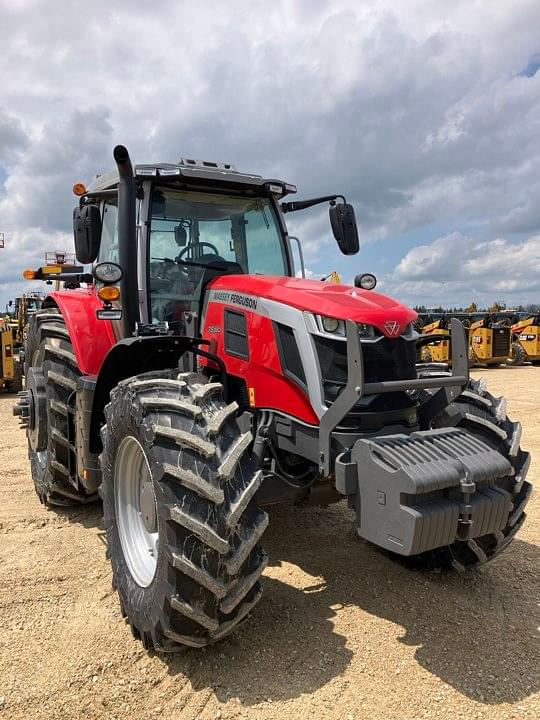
{"x":181,"y":254}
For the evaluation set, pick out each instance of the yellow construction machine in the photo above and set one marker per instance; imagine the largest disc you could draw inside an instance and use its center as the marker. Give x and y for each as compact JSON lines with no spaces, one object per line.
{"x":489,"y":341}
{"x":435,"y":340}
{"x":525,"y":341}
{"x":10,"y":367}
{"x":438,"y":349}
{"x":23,"y":308}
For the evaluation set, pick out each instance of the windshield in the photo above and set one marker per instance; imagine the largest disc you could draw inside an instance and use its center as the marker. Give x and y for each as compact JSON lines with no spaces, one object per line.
{"x":192,"y":231}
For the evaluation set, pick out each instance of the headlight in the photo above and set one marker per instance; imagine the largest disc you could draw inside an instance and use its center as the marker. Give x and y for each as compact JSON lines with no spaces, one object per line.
{"x":334,"y":326}
{"x":330,"y":325}
{"x":108,"y":272}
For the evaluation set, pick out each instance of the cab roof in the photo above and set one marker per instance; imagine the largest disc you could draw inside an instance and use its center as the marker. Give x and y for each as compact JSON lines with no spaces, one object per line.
{"x":204,"y":172}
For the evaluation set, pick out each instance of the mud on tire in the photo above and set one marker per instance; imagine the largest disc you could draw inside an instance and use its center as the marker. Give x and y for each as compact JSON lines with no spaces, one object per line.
{"x":208,"y":565}
{"x":49,"y":348}
{"x":485,"y":416}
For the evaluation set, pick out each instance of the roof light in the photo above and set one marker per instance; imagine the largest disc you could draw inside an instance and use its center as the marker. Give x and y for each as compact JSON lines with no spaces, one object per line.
{"x":79,"y":189}
{"x":366,"y":281}
{"x":151,"y":171}
{"x":276,"y":189}
{"x":290,"y":188}
{"x":164,"y":172}
{"x":29,"y":274}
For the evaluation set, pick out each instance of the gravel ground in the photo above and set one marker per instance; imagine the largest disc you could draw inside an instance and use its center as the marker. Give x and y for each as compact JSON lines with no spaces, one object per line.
{"x":342,"y":631}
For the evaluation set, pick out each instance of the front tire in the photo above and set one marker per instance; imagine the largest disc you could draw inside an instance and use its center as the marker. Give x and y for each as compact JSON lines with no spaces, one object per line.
{"x":479,"y":412}
{"x":183,"y":537}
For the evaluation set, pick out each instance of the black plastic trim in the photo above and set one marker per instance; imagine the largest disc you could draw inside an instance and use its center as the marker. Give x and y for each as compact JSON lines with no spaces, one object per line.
{"x":289,"y":355}
{"x":236,"y":335}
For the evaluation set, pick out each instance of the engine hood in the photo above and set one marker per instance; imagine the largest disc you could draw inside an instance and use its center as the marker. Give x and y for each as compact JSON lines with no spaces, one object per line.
{"x":344,"y":302}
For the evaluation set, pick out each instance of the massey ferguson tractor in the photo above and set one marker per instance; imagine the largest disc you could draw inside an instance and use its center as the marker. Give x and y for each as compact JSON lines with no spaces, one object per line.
{"x":192,"y":380}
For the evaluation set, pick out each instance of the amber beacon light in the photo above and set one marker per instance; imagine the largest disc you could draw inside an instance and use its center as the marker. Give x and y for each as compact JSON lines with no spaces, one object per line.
{"x":79,"y":189}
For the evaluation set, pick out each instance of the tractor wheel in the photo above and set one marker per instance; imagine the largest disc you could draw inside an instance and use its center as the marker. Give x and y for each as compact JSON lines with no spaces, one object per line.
{"x":182,"y":522}
{"x":518,"y":355}
{"x":485,"y":416}
{"x":51,"y":376}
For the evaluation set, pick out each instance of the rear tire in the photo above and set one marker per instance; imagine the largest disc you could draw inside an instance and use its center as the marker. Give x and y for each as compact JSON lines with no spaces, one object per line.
{"x":51,"y":372}
{"x":186,"y":561}
{"x":484,"y":416}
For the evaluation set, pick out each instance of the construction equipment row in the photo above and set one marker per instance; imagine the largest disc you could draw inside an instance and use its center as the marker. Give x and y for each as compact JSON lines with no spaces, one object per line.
{"x":511,"y":338}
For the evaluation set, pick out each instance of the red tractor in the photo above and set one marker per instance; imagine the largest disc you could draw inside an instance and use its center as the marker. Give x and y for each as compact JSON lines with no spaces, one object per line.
{"x":195,"y":381}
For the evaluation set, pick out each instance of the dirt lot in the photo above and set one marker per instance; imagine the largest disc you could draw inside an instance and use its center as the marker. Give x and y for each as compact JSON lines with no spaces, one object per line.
{"x":342,"y":632}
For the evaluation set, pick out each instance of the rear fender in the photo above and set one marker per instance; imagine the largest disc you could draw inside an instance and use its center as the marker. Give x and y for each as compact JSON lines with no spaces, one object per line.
{"x":91,"y":338}
{"x":129,"y":357}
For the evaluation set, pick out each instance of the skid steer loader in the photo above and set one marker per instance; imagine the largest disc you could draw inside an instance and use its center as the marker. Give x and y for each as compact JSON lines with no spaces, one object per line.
{"x":489,"y":341}
{"x":435,"y":341}
{"x":525,"y":341}
{"x":196,"y":381}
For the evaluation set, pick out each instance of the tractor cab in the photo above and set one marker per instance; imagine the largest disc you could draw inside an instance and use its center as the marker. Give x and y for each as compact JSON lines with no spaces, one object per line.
{"x":196,"y":220}
{"x":195,"y":237}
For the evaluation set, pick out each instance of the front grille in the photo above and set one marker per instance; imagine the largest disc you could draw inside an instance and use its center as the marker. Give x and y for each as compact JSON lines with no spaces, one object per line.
{"x":387,"y":359}
{"x":501,"y":342}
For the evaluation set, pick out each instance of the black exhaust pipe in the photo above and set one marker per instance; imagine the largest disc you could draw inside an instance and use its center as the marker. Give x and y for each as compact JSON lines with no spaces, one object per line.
{"x":127,"y":239}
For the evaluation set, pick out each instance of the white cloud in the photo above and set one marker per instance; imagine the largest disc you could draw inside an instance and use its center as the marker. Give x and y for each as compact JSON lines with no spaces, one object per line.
{"x":456,"y":268}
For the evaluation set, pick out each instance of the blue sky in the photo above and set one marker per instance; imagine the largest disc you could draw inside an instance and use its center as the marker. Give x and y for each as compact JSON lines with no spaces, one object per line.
{"x":425,"y":114}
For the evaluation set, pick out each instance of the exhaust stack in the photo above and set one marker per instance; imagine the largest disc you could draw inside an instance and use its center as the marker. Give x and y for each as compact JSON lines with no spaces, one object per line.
{"x":127,"y":240}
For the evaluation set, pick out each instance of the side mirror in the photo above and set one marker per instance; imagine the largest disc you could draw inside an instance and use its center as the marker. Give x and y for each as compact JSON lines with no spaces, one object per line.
{"x":87,"y":233}
{"x":343,"y":222}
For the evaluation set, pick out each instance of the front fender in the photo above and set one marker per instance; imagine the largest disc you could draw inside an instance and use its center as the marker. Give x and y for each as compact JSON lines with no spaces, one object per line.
{"x":129,"y":357}
{"x":91,"y":338}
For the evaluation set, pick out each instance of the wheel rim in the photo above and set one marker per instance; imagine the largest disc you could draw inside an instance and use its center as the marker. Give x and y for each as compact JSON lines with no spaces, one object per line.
{"x":136,"y":511}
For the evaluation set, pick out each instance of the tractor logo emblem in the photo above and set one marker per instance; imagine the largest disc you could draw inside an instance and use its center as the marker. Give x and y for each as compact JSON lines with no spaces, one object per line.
{"x":392,"y":327}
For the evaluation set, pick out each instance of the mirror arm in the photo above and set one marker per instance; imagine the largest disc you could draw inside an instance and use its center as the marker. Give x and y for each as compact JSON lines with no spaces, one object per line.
{"x":98,"y":195}
{"x":303,"y":204}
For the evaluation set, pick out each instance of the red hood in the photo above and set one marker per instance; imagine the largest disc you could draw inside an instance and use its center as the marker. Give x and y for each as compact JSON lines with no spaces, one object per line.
{"x":339,"y":301}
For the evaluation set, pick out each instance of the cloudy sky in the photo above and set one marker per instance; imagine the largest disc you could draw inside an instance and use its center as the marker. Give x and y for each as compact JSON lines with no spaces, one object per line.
{"x":424,"y":113}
